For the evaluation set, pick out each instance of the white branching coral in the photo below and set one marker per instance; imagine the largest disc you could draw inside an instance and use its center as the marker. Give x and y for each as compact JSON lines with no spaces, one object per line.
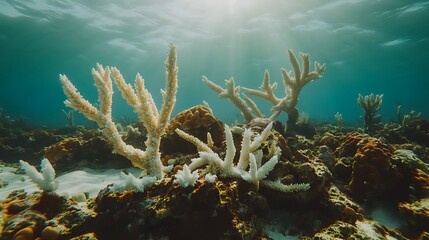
{"x":232,"y":93}
{"x":293,"y":83}
{"x":130,"y":182}
{"x":249,"y":166}
{"x":45,"y":179}
{"x":257,"y":173}
{"x":144,"y":106}
{"x":225,"y":167}
{"x":186,"y":177}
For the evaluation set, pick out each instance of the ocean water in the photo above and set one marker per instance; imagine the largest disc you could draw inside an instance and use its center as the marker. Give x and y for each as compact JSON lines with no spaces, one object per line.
{"x":369,"y":46}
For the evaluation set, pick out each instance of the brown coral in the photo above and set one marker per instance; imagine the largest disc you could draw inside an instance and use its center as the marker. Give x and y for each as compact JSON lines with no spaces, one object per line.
{"x":194,"y":117}
{"x":61,"y":149}
{"x":90,"y":150}
{"x":360,"y":229}
{"x":222,"y":210}
{"x":341,"y":205}
{"x":372,"y":171}
{"x":29,"y":216}
{"x":349,"y":146}
{"x":417,"y":214}
{"x":197,"y":121}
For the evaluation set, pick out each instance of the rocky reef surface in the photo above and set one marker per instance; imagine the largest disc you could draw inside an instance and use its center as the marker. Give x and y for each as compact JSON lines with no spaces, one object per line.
{"x":349,"y":172}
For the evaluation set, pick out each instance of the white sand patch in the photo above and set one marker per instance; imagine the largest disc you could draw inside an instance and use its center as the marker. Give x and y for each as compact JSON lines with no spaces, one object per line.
{"x":82,"y":181}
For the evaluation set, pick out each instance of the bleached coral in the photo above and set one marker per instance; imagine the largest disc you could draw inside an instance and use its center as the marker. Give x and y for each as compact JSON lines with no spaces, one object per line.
{"x":225,"y":167}
{"x":186,"y":177}
{"x":210,"y":178}
{"x":293,"y":83}
{"x":232,"y":93}
{"x":277,"y":185}
{"x":45,"y":179}
{"x":144,"y":106}
{"x":130,"y":182}
{"x":249,"y":166}
{"x":257,"y":173}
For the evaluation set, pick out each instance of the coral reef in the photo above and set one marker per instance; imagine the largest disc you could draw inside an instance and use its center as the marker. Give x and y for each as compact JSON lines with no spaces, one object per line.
{"x":372,"y":170}
{"x":26,"y":143}
{"x":346,"y":172}
{"x":361,"y":229}
{"x":44,"y":215}
{"x":416,"y":213}
{"x":88,"y":148}
{"x":245,"y":181}
{"x":210,"y":211}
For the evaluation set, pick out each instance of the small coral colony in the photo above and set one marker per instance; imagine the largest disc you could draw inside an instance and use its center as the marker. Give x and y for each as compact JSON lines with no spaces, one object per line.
{"x":201,"y":179}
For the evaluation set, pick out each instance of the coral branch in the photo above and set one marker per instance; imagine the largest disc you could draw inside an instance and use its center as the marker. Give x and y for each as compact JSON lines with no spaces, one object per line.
{"x":268,"y":93}
{"x":293,"y":86}
{"x":250,"y":158}
{"x":232,"y":94}
{"x":45,"y":179}
{"x":144,"y":106}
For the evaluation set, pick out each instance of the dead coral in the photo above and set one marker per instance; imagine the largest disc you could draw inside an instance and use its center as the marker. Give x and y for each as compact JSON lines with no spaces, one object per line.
{"x":41,"y":213}
{"x":361,"y":229}
{"x":223,"y":210}
{"x":417,"y":214}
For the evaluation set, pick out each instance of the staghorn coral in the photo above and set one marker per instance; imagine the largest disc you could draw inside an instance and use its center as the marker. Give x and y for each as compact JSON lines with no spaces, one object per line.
{"x":45,"y":179}
{"x":250,"y":158}
{"x":144,"y":106}
{"x":185,"y":177}
{"x":293,"y":84}
{"x":370,"y":104}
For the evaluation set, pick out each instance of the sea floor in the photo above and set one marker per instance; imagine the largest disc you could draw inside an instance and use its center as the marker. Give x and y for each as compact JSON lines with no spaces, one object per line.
{"x":362,"y":186}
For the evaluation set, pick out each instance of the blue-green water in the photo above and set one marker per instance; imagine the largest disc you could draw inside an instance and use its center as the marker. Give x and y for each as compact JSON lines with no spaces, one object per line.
{"x":369,"y":46}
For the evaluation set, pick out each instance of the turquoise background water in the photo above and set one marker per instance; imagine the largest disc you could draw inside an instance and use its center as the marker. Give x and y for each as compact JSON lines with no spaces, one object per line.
{"x":369,"y":46}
